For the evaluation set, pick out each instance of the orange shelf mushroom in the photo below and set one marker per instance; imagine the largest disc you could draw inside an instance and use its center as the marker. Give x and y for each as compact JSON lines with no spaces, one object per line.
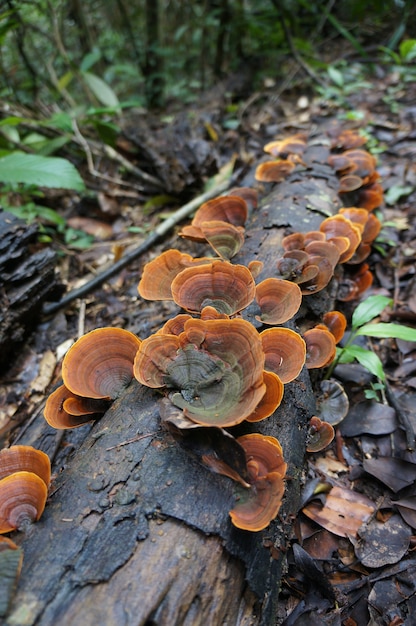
{"x":215,"y":369}
{"x":22,"y":500}
{"x":271,"y":399}
{"x":336,"y":322}
{"x":226,"y":287}
{"x":230,"y":209}
{"x":320,"y":435}
{"x":25,"y":458}
{"x":100,"y":363}
{"x":158,"y":274}
{"x":320,"y":347}
{"x":294,"y":144}
{"x":63,"y":409}
{"x":279,"y":300}
{"x":259,"y":505}
{"x":284,"y":351}
{"x":274,"y":171}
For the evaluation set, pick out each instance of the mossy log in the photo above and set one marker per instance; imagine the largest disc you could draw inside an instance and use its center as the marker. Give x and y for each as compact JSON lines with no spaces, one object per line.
{"x":136,"y":531}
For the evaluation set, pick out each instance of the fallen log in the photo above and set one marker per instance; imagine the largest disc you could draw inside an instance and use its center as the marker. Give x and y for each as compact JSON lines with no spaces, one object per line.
{"x":27,"y":280}
{"x":136,"y":532}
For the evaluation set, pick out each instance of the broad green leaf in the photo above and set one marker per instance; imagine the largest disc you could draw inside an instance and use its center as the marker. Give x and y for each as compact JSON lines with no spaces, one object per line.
{"x":336,"y":76}
{"x":387,"y":330}
{"x":367,"y":359}
{"x":101,"y":90}
{"x":369,"y":309}
{"x":395,"y":192}
{"x":90,"y":59}
{"x":407,"y":49}
{"x":33,"y":169}
{"x":64,"y":81}
{"x":12,"y":121}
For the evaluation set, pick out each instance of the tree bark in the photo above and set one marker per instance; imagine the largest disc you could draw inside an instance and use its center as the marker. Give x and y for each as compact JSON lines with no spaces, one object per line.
{"x":27,"y":279}
{"x":135,"y":531}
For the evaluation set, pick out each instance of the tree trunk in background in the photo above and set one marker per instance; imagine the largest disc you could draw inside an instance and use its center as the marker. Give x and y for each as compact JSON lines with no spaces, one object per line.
{"x":153,"y":65}
{"x":135,"y":531}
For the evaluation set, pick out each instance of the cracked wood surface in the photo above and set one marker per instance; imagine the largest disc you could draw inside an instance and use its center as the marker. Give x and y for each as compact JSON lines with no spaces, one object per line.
{"x":135,"y":531}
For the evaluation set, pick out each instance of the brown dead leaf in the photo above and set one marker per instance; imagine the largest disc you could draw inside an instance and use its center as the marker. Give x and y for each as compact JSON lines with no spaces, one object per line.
{"x":383,"y":543}
{"x":394,"y":473}
{"x":343,"y":513}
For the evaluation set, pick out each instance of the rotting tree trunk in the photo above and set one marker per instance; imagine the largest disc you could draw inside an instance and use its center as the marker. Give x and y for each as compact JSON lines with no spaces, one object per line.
{"x":136,"y":532}
{"x":27,"y":280}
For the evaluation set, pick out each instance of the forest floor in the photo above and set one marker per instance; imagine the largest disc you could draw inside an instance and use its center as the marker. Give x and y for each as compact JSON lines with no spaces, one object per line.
{"x":367,"y":577}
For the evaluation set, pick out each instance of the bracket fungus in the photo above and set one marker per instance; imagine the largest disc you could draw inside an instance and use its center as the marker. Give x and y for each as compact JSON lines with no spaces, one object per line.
{"x":284,"y":351}
{"x":158,"y":274}
{"x":25,"y":458}
{"x":22,"y":500}
{"x":320,"y":347}
{"x":279,"y":300}
{"x":214,"y":367}
{"x":274,"y":171}
{"x":226,"y":287}
{"x":230,"y":209}
{"x":63,"y":409}
{"x":260,"y":504}
{"x":25,"y":474}
{"x":271,"y":399}
{"x":320,"y":435}
{"x":100,"y":363}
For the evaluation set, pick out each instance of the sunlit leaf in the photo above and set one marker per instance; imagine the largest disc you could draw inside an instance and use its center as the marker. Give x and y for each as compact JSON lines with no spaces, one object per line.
{"x":387,"y":330}
{"x":367,"y":359}
{"x":369,"y":309}
{"x":33,"y":169}
{"x":101,"y":90}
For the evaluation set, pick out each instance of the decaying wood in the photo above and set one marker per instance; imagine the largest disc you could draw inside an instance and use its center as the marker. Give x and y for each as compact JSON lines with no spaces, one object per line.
{"x":27,"y":279}
{"x":135,"y":531}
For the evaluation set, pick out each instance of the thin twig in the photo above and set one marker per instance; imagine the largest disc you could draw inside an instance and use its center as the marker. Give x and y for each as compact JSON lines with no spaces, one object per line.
{"x":162,"y":229}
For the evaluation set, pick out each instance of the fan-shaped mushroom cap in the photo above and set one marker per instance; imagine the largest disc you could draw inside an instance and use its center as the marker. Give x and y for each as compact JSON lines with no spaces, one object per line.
{"x":324,"y":249}
{"x":100,"y":364}
{"x":278,"y":300}
{"x":215,"y":368}
{"x":295,"y":144}
{"x":226,"y":239}
{"x":345,"y":138}
{"x":273,"y":171}
{"x":59,"y":413}
{"x":371,"y":229}
{"x":321,"y":270}
{"x":336,"y":322}
{"x":332,"y":402}
{"x":271,"y":399}
{"x":249,"y":194}
{"x":22,"y":500}
{"x":351,"y":287}
{"x":320,"y":435}
{"x":349,"y":182}
{"x":230,"y":209}
{"x":339,"y":226}
{"x":157,"y":277}
{"x":284,"y":351}
{"x":362,"y":162}
{"x":313,"y":235}
{"x":294,"y":241}
{"x":255,"y":268}
{"x":175,"y":325}
{"x":228,"y":288}
{"x":259,"y":505}
{"x":27,"y":459}
{"x":357,"y":216}
{"x":320,"y":347}
{"x":370,"y":196}
{"x":211,"y":313}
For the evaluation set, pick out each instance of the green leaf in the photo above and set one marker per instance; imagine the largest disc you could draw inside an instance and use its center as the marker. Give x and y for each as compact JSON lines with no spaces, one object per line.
{"x":393,"y":195}
{"x":336,"y":76}
{"x":367,"y":359}
{"x":33,"y":169}
{"x":407,"y":49}
{"x":388,"y":330}
{"x":101,"y":90}
{"x":369,"y":309}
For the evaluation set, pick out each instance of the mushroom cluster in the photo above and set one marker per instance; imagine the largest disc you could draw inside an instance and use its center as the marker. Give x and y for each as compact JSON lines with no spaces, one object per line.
{"x":25,"y":474}
{"x":215,"y":368}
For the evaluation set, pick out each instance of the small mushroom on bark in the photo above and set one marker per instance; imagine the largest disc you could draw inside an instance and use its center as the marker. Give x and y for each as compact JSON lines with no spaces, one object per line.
{"x":22,"y":500}
{"x":260,"y":504}
{"x":100,"y":363}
